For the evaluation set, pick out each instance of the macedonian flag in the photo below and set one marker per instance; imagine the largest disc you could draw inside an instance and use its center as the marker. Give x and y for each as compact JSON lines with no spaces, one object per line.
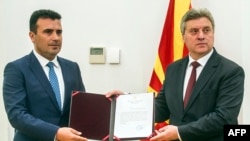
{"x":171,"y":45}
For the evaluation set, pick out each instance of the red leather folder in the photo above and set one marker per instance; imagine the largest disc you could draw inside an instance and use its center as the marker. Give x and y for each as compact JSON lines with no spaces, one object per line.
{"x":94,"y":115}
{"x":90,"y":114}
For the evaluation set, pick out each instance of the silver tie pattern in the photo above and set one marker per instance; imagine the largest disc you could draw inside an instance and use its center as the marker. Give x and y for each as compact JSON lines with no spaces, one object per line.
{"x":54,"y":82}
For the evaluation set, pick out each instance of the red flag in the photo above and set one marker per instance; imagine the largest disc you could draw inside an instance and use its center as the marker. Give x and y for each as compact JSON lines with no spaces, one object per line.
{"x":171,"y":46}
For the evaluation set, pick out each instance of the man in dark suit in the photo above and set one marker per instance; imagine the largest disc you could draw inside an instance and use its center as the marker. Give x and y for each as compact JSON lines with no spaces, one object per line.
{"x":217,"y":95}
{"x":29,"y":98}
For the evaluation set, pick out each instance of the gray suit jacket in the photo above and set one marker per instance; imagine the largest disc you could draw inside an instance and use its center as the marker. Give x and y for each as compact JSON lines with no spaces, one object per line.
{"x":29,"y":99}
{"x":215,"y":100}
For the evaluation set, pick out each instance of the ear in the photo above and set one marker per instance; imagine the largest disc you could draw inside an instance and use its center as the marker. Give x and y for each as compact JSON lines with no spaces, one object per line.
{"x":182,"y":35}
{"x":32,"y":36}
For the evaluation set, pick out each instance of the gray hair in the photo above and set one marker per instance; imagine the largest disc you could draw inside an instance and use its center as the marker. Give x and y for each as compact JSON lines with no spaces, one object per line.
{"x":196,"y":14}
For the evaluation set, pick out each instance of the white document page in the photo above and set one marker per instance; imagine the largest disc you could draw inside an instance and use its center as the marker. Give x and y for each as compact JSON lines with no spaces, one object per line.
{"x":134,"y":115}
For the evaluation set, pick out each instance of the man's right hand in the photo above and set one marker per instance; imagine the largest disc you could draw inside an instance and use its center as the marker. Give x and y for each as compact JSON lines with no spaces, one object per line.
{"x":69,"y":134}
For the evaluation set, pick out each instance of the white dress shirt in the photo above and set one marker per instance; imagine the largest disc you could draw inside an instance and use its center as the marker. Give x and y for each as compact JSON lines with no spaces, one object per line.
{"x":43,"y":62}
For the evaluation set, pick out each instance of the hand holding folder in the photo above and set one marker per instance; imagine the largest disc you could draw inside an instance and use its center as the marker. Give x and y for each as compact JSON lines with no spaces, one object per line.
{"x":121,"y":118}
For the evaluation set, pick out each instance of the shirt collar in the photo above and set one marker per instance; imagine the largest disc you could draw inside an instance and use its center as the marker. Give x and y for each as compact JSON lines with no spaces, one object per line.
{"x":203,"y":60}
{"x":43,"y":61}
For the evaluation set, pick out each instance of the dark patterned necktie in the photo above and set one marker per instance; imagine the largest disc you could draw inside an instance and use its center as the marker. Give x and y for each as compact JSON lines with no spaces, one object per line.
{"x":191,"y":83}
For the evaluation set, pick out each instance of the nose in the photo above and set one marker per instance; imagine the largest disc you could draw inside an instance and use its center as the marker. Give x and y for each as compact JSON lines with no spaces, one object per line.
{"x":201,"y":35}
{"x":55,"y":36}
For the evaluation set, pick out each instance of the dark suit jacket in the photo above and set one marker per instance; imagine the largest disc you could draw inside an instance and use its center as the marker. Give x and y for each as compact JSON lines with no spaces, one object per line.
{"x":215,"y":100}
{"x":29,"y":99}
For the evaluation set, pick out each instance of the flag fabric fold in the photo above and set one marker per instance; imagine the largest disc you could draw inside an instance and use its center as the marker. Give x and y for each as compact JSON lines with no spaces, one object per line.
{"x":171,"y":46}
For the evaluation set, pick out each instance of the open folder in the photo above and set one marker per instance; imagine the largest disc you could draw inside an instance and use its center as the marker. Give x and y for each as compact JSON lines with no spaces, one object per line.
{"x":122,"y":117}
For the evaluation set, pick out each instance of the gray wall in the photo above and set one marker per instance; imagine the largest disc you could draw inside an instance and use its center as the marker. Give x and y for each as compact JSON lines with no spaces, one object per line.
{"x":134,"y":26}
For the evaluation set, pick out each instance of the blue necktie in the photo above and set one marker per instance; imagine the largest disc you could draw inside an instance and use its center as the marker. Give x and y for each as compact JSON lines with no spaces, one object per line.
{"x":54,"y":82}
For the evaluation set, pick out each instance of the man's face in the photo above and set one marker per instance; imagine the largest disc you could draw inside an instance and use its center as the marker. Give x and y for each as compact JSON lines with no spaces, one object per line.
{"x":48,"y":38}
{"x":199,"y":37}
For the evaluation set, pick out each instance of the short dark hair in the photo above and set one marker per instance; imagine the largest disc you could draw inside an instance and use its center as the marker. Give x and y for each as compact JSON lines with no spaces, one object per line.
{"x":42,"y":13}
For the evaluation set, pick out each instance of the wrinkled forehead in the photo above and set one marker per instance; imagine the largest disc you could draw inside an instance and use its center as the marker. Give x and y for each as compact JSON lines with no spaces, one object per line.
{"x":201,"y":22}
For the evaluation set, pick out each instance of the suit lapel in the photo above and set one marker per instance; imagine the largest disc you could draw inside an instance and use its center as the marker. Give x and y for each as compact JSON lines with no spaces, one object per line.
{"x":180,"y":77}
{"x":66,"y":70}
{"x":42,"y":78}
{"x":205,"y":75}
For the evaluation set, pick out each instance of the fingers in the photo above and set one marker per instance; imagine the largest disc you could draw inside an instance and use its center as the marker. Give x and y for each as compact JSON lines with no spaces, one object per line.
{"x":78,"y":135}
{"x":156,"y":136}
{"x":69,"y":134}
{"x":163,"y":129}
{"x":157,"y":132}
{"x":113,"y":92}
{"x":76,"y":132}
{"x":169,"y":132}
